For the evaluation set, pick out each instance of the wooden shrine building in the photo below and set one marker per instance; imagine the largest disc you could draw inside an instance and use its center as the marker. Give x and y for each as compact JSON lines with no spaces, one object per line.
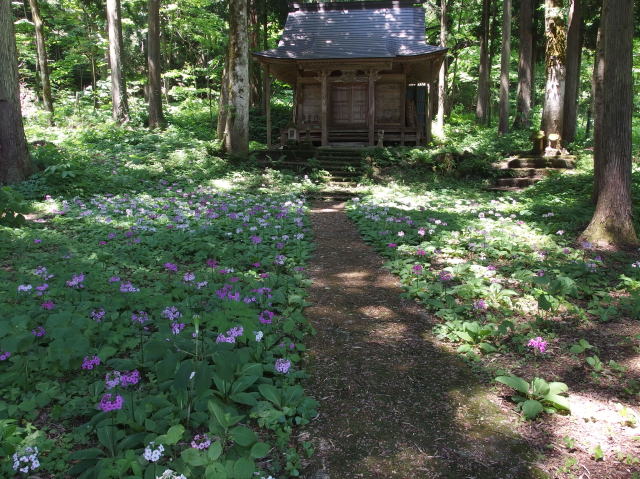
{"x":359,"y":71}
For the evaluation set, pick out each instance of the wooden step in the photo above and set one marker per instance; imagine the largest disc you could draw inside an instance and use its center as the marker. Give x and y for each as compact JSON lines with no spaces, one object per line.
{"x":541,"y":162}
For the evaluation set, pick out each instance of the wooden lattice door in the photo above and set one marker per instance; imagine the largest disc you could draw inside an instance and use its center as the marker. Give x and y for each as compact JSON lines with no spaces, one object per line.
{"x":349,"y":104}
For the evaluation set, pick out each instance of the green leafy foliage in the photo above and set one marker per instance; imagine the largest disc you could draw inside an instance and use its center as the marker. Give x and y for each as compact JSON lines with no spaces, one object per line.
{"x":537,"y":396}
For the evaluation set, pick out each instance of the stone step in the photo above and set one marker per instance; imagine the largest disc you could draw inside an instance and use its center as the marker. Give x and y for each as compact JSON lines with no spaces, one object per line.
{"x":527,"y":172}
{"x":517,"y":182}
{"x":541,"y":162}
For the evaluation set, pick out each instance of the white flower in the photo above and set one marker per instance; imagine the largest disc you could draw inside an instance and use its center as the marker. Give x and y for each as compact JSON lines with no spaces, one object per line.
{"x":151,"y":454}
{"x":259,"y":335}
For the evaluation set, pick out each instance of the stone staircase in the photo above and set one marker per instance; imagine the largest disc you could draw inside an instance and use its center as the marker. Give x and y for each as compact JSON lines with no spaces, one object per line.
{"x":525,"y":170}
{"x":343,"y":164}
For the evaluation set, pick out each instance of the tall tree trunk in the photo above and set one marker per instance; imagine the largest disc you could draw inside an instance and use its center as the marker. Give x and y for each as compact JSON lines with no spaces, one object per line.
{"x":555,"y":59}
{"x":237,"y":126}
{"x":255,"y":69}
{"x":525,"y":71}
{"x":120,"y":107}
{"x":505,"y":62}
{"x":612,"y":222}
{"x":156,"y":117}
{"x":482,"y":106}
{"x":597,"y":87}
{"x":15,"y":164}
{"x":223,"y":102}
{"x":574,"y":56}
{"x":42,"y":57}
{"x":442,"y":78}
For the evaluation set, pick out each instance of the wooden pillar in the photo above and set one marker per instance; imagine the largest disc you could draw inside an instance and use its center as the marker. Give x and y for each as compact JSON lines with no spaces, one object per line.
{"x":431,"y":98}
{"x":371,"y":117}
{"x":267,"y":102}
{"x":403,"y":105}
{"x":324,"y":135}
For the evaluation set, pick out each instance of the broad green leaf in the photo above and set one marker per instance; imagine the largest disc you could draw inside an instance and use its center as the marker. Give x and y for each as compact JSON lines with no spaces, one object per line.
{"x":270,"y":393}
{"x":515,"y":382}
{"x":539,"y":387}
{"x":487,"y":348}
{"x":243,"y":436}
{"x":84,"y":454}
{"x":259,"y":450}
{"x":244,"y":468}
{"x":531,"y":408}
{"x":194,"y":457}
{"x":214,"y":451}
{"x":464,"y":336}
{"x":557,"y":388}
{"x":173,"y":435}
{"x":215,"y":471}
{"x":558,"y":401}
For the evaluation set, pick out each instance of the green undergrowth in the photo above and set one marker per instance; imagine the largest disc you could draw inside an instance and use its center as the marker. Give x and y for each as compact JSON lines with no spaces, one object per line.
{"x":502,"y":274}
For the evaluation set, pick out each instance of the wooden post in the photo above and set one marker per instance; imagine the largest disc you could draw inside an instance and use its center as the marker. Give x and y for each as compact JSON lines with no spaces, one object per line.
{"x":403,"y":105}
{"x":372,"y":105}
{"x":324,"y":135}
{"x":430,"y":99}
{"x":267,"y":102}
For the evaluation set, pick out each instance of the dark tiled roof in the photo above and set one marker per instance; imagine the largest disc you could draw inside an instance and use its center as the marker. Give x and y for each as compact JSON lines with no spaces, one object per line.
{"x":386,"y":29}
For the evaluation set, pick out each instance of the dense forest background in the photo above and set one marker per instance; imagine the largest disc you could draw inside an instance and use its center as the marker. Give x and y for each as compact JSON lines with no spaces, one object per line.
{"x":194,"y":42}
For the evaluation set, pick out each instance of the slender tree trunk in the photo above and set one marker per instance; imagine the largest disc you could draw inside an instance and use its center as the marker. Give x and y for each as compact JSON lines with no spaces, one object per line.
{"x":482,"y":106}
{"x":237,"y":126}
{"x":15,"y":164}
{"x":574,"y":56}
{"x":612,"y":222}
{"x":42,"y":57}
{"x":494,"y":40}
{"x":505,"y":63}
{"x":525,"y":71}
{"x":255,"y":70}
{"x":597,"y":87}
{"x":223,"y":102}
{"x":555,"y":59}
{"x":442,"y":78}
{"x":120,"y":107}
{"x":156,"y":117}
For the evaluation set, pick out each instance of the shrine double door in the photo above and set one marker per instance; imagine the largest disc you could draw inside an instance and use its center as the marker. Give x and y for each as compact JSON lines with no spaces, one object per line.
{"x":348,"y":105}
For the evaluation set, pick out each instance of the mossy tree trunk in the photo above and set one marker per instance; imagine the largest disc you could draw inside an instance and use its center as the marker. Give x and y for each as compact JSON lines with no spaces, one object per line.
{"x":555,"y":59}
{"x":482,"y":105}
{"x":43,"y":62}
{"x":15,"y":164}
{"x":612,"y":222}
{"x":237,"y":125}
{"x":156,"y":117}
{"x":505,"y":63}
{"x":525,"y":65}
{"x":120,"y":106}
{"x":574,"y":57}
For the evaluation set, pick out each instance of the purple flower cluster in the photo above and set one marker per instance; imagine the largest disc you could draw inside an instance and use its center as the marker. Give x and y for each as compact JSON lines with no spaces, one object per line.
{"x":538,"y":344}
{"x":171,"y":312}
{"x":282,"y":365}
{"x":176,"y":327}
{"x":122,"y":379}
{"x":445,"y":276}
{"x":49,"y":305}
{"x":139,"y":317}
{"x":4,"y":356}
{"x":188,"y":277}
{"x":417,"y":268}
{"x":480,"y":305}
{"x":266,"y":317}
{"x":201,"y":441}
{"x":127,"y":287}
{"x":231,"y":335}
{"x":111,"y":402}
{"x":171,"y":267}
{"x":90,"y":362}
{"x":98,"y":314}
{"x":39,"y":331}
{"x":76,"y":281}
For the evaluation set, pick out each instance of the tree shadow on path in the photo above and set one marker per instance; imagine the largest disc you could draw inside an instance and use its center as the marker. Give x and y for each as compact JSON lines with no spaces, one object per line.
{"x":393,"y":404}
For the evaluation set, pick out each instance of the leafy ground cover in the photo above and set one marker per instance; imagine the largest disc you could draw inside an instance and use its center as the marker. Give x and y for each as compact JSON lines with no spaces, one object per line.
{"x":554,"y":322}
{"x":152,"y":315}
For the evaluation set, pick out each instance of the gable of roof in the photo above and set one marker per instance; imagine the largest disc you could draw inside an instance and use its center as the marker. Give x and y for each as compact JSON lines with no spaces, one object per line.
{"x":369,"y":29}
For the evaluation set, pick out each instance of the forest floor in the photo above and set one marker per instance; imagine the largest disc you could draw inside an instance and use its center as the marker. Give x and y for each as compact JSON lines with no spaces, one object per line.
{"x":395,"y":402}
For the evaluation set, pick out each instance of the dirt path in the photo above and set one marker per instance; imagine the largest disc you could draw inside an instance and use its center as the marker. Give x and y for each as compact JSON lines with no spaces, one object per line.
{"x":392,"y":403}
